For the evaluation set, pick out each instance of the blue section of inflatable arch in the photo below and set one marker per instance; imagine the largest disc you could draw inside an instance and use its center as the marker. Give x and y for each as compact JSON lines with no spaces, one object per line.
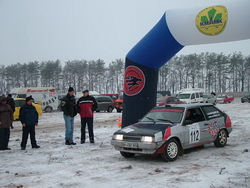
{"x":156,"y":47}
{"x":149,"y":54}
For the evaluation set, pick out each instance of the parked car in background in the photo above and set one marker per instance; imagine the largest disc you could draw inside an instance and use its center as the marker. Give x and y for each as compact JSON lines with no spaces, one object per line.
{"x":105,"y":103}
{"x":225,"y":98}
{"x":168,"y":100}
{"x":47,"y":96}
{"x":245,"y":98}
{"x":20,"y":102}
{"x":113,"y":96}
{"x":163,"y":93}
{"x":119,"y":101}
{"x":191,"y":95}
{"x":209,"y":98}
{"x":168,"y":130}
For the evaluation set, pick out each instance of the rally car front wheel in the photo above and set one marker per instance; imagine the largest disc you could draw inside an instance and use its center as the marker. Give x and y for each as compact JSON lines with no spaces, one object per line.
{"x":171,"y":151}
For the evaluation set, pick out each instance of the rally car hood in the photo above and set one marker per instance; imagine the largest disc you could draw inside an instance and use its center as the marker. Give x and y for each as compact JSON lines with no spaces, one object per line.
{"x":142,"y":129}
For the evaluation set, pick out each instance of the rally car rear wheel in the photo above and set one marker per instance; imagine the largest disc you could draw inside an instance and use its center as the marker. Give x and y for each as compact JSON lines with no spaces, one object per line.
{"x":221,"y":139}
{"x":126,"y":154}
{"x":171,"y":151}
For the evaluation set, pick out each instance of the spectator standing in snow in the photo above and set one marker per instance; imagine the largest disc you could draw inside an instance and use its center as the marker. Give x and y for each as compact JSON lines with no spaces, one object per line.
{"x":68,"y":106}
{"x":11,"y":102}
{"x":213,"y":93}
{"x":86,"y":106}
{"x":29,"y":119}
{"x":6,"y":118}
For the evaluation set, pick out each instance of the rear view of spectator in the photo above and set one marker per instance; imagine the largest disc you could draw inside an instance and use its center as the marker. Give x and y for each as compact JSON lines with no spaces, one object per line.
{"x":11,"y":102}
{"x":213,"y":93}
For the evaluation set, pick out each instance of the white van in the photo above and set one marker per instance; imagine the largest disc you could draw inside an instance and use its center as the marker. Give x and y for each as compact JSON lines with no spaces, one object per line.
{"x":47,"y":96}
{"x":191,"y":95}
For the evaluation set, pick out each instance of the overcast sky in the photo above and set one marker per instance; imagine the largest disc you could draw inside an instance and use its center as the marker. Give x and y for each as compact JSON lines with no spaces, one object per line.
{"x":45,"y":30}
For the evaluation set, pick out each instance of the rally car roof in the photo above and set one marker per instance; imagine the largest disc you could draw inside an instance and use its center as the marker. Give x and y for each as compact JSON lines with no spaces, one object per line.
{"x":185,"y":105}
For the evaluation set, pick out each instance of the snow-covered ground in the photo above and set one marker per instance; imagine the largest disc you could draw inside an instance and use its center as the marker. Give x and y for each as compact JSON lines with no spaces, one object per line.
{"x":99,"y":165}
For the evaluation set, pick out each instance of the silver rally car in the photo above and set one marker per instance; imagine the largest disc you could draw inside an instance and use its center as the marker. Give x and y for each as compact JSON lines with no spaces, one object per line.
{"x":168,"y":130}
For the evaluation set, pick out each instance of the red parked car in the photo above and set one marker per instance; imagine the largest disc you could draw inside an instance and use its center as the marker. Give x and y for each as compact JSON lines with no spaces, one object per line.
{"x":225,"y":98}
{"x":168,"y":100}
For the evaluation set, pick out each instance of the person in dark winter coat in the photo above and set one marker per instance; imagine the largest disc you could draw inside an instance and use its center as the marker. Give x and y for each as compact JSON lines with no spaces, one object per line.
{"x":86,"y":106}
{"x":213,"y":93}
{"x":68,"y":106}
{"x":11,"y":102}
{"x":29,"y":119}
{"x":6,"y":118}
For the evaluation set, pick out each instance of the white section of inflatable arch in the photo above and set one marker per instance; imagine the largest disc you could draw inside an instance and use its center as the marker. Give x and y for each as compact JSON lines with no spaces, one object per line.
{"x":181,"y":23}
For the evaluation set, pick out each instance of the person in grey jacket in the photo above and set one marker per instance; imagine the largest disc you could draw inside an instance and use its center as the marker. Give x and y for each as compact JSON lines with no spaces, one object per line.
{"x":68,"y":106}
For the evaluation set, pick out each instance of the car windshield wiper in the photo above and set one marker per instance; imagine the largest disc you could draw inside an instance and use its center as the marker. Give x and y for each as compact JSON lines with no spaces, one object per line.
{"x":165,"y":120}
{"x":151,"y":119}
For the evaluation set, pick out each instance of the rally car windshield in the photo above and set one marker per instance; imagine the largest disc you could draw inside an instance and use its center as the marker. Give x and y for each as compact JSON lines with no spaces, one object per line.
{"x":172,"y":115}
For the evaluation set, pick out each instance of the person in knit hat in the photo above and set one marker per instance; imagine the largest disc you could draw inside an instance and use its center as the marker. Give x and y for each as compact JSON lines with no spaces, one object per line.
{"x":86,"y":106}
{"x":29,"y":119}
{"x":6,"y":118}
{"x":68,"y":106}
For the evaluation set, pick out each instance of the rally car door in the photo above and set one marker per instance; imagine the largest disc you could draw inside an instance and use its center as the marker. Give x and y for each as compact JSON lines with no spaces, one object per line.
{"x":214,"y":121}
{"x":194,"y":130}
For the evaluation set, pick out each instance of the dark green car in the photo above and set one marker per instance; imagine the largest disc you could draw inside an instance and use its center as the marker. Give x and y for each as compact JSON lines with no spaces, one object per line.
{"x":246,"y":98}
{"x":105,"y":103}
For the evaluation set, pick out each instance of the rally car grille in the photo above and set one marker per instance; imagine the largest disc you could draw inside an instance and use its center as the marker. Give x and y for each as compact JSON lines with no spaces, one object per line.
{"x":132,"y":138}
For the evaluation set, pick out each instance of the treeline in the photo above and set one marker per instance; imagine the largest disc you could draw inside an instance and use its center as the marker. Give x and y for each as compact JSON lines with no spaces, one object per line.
{"x":80,"y":74}
{"x":210,"y":71}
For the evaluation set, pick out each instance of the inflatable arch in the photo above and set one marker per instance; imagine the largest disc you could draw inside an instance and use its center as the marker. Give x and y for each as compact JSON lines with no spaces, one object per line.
{"x":221,"y":22}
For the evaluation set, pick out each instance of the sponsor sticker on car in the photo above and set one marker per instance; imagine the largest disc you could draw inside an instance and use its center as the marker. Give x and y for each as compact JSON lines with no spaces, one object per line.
{"x":128,"y":130}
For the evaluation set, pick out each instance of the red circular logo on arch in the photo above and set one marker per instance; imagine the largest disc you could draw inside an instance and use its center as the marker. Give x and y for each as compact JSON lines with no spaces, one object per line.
{"x":134,"y":80}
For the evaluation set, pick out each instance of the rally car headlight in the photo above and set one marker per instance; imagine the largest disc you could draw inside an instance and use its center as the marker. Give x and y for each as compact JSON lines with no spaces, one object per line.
{"x":118,"y":137}
{"x":147,"y":139}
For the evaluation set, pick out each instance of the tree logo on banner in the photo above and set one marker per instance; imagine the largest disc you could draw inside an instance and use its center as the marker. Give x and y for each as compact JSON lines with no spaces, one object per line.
{"x":134,"y":80}
{"x":212,"y":20}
